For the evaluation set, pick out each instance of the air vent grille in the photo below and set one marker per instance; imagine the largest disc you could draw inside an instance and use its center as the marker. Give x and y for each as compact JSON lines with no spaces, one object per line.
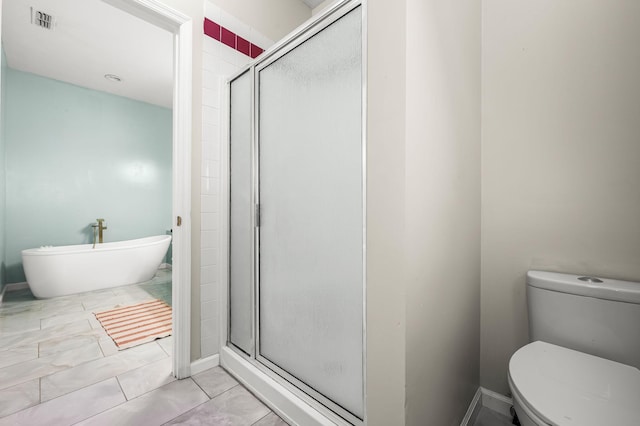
{"x":42,"y":19}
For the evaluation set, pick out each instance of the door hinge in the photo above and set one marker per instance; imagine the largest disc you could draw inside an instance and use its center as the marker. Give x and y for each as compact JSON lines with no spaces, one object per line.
{"x":179,"y":221}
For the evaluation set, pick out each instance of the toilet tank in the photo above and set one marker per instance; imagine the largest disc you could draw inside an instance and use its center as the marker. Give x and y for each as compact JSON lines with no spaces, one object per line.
{"x":597,"y":316}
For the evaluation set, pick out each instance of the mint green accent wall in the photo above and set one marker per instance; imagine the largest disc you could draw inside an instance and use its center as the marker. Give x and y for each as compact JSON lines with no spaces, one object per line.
{"x":74,"y":155}
{"x":3,"y":226}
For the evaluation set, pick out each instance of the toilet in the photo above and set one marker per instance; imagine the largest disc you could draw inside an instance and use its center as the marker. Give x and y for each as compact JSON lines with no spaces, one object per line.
{"x":582,"y":368}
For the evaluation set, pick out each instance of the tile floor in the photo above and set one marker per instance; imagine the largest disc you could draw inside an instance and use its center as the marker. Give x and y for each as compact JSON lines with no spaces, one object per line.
{"x":59,"y":367}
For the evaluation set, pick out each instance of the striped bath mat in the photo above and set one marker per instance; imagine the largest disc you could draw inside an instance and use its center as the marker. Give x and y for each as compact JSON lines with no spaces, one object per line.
{"x":136,"y":324}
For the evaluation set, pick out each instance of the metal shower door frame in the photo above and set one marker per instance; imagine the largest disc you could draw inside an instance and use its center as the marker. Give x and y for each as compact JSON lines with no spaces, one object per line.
{"x":327,"y":407}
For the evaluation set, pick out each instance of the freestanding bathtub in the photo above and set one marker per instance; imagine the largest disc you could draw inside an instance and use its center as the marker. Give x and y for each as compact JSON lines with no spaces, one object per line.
{"x":59,"y":271}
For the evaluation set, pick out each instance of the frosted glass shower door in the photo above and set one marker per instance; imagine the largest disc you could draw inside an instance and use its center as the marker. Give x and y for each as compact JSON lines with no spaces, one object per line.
{"x":311,"y":213}
{"x":240,"y":219}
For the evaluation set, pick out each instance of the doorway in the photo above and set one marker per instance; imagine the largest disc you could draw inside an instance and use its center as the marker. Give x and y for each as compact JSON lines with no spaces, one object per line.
{"x":180,"y":26}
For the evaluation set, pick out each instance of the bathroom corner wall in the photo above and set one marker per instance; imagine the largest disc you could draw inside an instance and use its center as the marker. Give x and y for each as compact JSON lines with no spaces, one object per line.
{"x":423,"y":210}
{"x":442,"y":214}
{"x":220,"y":61}
{"x":385,"y":215}
{"x":111,"y":158}
{"x":560,"y":136}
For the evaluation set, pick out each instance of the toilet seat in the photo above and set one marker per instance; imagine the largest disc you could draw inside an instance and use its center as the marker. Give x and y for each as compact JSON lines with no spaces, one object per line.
{"x":559,"y":386}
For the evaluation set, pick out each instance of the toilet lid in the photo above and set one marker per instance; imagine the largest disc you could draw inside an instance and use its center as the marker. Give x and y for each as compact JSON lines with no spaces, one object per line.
{"x":566,"y":387}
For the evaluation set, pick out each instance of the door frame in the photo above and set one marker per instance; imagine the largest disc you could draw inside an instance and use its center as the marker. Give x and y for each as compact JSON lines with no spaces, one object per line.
{"x":181,"y":26}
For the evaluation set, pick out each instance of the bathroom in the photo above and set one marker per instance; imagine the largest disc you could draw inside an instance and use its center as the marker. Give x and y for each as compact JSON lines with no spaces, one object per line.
{"x":85,"y":160}
{"x":502,"y":137}
{"x":78,"y":152}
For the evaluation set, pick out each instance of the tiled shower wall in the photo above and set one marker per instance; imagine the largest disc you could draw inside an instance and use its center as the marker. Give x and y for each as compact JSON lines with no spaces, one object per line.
{"x":219,"y":62}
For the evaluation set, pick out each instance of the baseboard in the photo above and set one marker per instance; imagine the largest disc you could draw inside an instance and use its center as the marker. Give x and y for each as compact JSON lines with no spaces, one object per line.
{"x":12,"y":287}
{"x":496,"y":402}
{"x":16,"y":286}
{"x":200,"y":365}
{"x":473,"y":410}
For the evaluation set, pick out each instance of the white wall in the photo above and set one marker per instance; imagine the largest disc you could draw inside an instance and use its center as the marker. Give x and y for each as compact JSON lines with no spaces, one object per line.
{"x":442,"y":199}
{"x":273,"y":18}
{"x":322,"y":6}
{"x":385,"y":298}
{"x":423,"y":211}
{"x":561,"y":128}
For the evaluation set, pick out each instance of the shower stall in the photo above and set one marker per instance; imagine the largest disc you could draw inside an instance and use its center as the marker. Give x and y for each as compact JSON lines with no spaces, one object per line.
{"x":296,"y":255}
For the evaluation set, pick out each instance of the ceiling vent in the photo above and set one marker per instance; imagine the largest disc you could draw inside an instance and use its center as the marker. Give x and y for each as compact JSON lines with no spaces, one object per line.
{"x":42,"y":19}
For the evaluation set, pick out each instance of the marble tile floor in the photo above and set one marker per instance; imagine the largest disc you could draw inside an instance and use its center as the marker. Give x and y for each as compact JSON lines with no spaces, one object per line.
{"x":59,"y":367}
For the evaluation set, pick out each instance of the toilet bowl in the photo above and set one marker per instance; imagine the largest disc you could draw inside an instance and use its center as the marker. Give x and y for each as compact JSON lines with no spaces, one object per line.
{"x":552,"y":385}
{"x":583,"y":367}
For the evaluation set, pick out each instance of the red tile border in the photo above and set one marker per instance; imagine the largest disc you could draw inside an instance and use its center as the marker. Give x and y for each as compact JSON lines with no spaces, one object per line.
{"x":255,"y":51}
{"x":243,"y":46}
{"x":231,"y":39}
{"x":228,"y":38}
{"x":212,"y":29}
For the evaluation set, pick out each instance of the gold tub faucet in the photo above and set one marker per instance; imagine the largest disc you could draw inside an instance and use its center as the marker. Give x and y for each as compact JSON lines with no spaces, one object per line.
{"x":101,"y":228}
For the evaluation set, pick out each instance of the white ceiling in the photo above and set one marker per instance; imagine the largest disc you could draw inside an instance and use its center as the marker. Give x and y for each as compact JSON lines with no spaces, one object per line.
{"x":90,"y":39}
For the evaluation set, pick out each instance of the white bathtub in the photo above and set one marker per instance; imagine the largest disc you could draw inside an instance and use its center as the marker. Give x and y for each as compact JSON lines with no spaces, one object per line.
{"x":59,"y":271}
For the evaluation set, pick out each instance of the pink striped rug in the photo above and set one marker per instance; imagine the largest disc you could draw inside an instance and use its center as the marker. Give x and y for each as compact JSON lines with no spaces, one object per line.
{"x":137,"y":324}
